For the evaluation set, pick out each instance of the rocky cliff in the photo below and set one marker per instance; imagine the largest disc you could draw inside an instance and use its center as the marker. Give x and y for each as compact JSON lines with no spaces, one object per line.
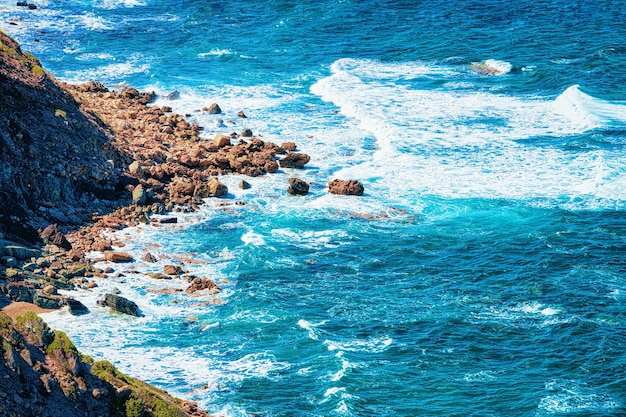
{"x":59,"y":163}
{"x":55,"y":158}
{"x":43,"y":374}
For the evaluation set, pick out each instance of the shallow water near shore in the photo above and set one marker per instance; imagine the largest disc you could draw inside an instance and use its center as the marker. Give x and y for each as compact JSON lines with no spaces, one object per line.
{"x":482,"y":273}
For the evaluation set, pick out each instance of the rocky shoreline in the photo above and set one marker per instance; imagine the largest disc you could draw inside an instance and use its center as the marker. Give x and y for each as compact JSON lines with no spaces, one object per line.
{"x":78,"y":161}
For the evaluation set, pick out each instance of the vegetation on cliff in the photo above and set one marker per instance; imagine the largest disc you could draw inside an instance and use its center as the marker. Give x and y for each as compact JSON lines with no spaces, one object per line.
{"x":43,"y":374}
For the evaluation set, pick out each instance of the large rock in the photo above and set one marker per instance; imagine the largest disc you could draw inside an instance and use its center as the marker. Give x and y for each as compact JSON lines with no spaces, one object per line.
{"x":139,"y":195}
{"x":53,"y":235}
{"x":220,"y":140}
{"x":345,"y":187}
{"x":118,"y":257}
{"x":294,"y":160}
{"x":75,"y":307}
{"x":121,"y":305}
{"x":173,"y":270}
{"x":48,"y":301}
{"x":204,"y":285}
{"x":214,"y":108}
{"x":17,"y":251}
{"x":216,"y":188}
{"x":298,"y":187}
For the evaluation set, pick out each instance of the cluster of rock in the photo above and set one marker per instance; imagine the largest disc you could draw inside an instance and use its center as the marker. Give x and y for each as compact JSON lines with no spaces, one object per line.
{"x":34,"y":275}
{"x":167,"y":161}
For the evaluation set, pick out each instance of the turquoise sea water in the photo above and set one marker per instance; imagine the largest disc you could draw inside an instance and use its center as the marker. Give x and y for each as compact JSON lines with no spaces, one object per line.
{"x":483,"y":273}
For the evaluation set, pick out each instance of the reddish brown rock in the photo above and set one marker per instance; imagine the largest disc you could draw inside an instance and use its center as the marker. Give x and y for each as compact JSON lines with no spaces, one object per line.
{"x":220,"y":140}
{"x":214,"y":108}
{"x":118,"y":257}
{"x":216,"y":188}
{"x":289,"y":146}
{"x":52,"y":234}
{"x":173,"y":270}
{"x":345,"y":187}
{"x":294,"y":160}
{"x":205,"y":285}
{"x":148,"y":257}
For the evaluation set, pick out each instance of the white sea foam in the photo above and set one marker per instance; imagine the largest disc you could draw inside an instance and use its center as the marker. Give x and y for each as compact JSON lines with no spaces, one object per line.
{"x":111,"y":73}
{"x":114,"y":4}
{"x":468,"y":143}
{"x":311,"y":328}
{"x":590,"y":111}
{"x":100,"y":55}
{"x":216,"y":52}
{"x":377,"y":344}
{"x":92,"y":22}
{"x":492,"y":67}
{"x":252,"y":238}
{"x":572,"y":398}
{"x":482,"y":376}
{"x":345,"y":367}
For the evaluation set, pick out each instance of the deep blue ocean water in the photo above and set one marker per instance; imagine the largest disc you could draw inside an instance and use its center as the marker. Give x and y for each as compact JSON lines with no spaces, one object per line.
{"x":483,"y":273}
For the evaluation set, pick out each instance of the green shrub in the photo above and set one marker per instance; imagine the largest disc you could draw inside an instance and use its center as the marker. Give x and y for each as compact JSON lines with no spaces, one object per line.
{"x":134,"y":406}
{"x":37,"y":70}
{"x":6,"y":326}
{"x":33,"y":328}
{"x":61,"y":342}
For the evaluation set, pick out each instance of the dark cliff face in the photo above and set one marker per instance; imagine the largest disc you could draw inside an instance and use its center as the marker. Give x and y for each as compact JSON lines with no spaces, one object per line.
{"x":55,"y":159}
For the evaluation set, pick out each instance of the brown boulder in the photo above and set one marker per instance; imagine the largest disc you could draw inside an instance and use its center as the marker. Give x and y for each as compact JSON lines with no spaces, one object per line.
{"x":220,"y":140}
{"x":52,"y":234}
{"x":203,"y":284}
{"x":216,"y":188}
{"x":214,"y":108}
{"x":289,"y":146}
{"x":148,"y":257}
{"x":118,"y":257}
{"x":345,"y":187}
{"x":172,"y":270}
{"x":298,"y":187}
{"x":136,"y":170}
{"x":294,"y":160}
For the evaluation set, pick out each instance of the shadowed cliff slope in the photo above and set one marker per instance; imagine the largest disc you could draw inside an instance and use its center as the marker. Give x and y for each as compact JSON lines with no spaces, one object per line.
{"x":55,"y":159}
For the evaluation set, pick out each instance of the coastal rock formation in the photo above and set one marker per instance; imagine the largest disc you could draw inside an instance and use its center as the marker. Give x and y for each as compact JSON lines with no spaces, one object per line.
{"x":298,"y":187}
{"x":53,"y":235}
{"x":43,"y":374}
{"x":294,"y":160}
{"x":55,"y":157}
{"x":345,"y":187}
{"x":204,"y":285}
{"x":76,"y":154}
{"x":118,"y":257}
{"x":120,"y":304}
